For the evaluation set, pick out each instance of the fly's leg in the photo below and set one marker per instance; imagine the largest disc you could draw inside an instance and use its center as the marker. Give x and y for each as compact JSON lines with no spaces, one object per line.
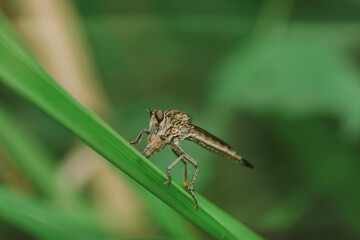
{"x":185,"y":175}
{"x":140,"y":135}
{"x":191,"y":186}
{"x":179,"y":152}
{"x":170,"y":167}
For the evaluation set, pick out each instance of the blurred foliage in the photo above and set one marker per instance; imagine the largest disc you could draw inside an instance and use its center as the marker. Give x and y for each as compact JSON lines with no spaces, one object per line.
{"x":278,"y":80}
{"x":48,"y":222}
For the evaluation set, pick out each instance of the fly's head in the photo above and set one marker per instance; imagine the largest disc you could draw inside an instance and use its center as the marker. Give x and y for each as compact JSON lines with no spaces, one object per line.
{"x":156,"y":117}
{"x":155,"y":144}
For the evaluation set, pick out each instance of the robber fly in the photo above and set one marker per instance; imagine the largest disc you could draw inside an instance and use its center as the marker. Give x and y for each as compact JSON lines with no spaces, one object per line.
{"x":173,"y":126}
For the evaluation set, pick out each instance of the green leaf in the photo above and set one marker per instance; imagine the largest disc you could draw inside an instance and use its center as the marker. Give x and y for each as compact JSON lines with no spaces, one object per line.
{"x":21,"y":73}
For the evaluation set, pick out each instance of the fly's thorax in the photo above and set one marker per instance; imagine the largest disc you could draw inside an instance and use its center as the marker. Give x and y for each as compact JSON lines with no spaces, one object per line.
{"x":173,"y":133}
{"x":176,"y":123}
{"x":176,"y":118}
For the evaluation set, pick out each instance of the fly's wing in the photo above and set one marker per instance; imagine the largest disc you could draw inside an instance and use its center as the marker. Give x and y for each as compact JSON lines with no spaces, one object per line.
{"x":208,"y":140}
{"x":215,"y":144}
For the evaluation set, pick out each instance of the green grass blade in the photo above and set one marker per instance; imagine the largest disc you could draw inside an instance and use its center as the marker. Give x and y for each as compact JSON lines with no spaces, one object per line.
{"x":169,"y":221}
{"x":46,"y":221}
{"x":31,"y":82}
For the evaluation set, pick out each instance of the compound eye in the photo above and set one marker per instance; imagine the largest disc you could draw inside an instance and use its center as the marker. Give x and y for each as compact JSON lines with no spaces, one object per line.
{"x":159,"y":115}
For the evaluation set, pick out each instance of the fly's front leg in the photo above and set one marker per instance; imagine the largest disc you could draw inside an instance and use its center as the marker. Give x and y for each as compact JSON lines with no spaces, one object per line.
{"x":170,"y":167}
{"x":140,"y":135}
{"x":191,"y":186}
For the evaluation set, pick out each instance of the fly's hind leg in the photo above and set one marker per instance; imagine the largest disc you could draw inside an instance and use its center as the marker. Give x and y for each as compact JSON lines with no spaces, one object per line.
{"x":185,"y":175}
{"x":191,"y":186}
{"x":178,"y":151}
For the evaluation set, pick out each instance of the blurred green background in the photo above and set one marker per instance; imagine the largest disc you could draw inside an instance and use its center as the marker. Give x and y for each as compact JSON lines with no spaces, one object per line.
{"x":278,"y":80}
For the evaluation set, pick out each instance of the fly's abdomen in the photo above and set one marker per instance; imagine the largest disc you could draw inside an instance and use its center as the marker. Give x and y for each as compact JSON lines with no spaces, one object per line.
{"x":215,"y":144}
